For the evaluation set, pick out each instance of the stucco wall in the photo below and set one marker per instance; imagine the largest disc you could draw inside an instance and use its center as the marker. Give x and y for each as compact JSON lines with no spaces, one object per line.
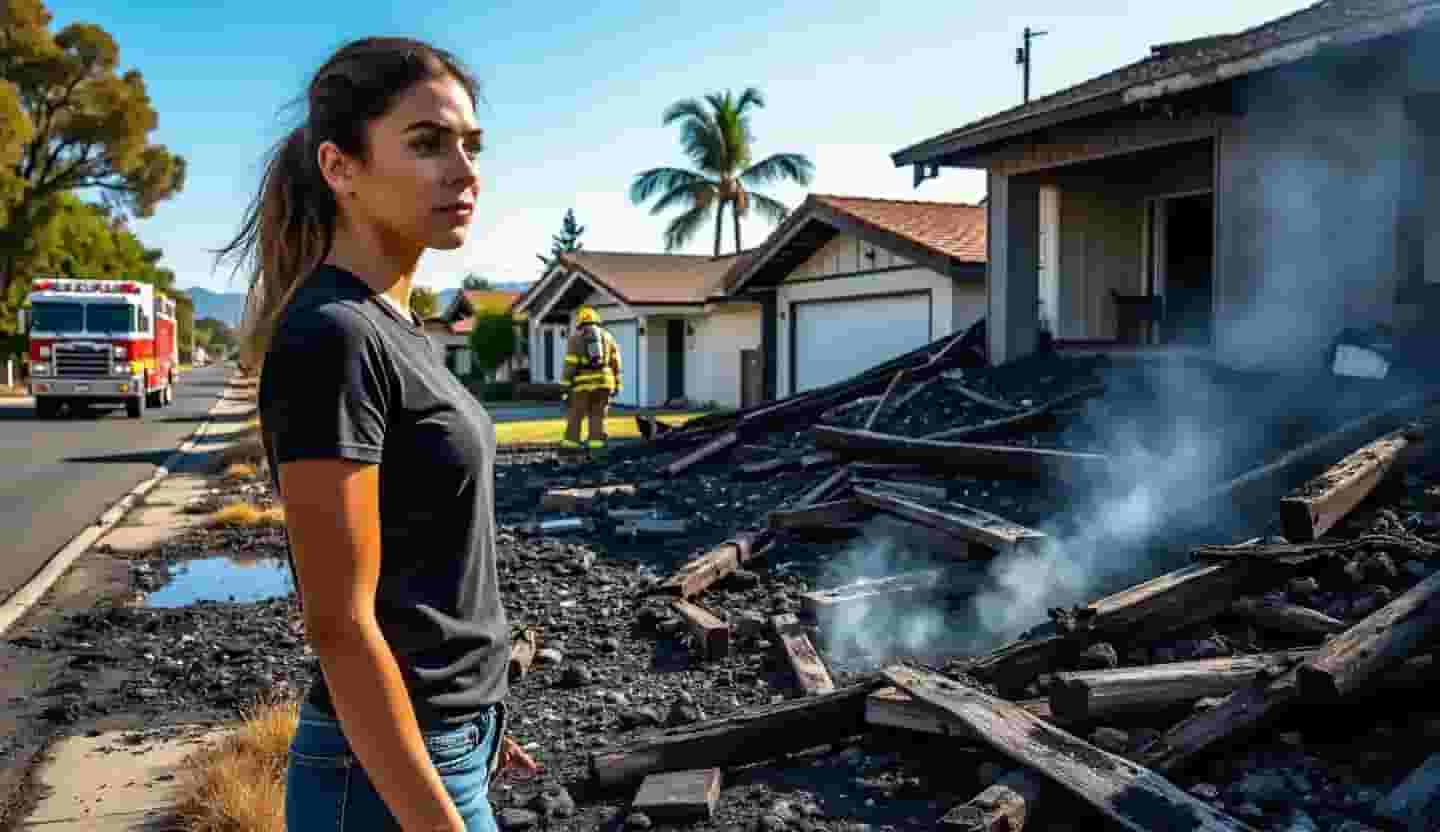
{"x":1315,"y":186}
{"x":712,"y":359}
{"x":953,"y":306}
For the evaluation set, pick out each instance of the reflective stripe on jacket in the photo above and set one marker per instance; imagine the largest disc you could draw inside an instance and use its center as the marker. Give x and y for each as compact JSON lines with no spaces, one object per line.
{"x":585,"y":379}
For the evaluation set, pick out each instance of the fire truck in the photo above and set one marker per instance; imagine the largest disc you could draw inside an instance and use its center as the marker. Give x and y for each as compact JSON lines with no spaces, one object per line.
{"x":99,"y":342}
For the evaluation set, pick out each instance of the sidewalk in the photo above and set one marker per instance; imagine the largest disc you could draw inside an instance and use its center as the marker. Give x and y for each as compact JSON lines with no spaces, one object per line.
{"x":120,"y":781}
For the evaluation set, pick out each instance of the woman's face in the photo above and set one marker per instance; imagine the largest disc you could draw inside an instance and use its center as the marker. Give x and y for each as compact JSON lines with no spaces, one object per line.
{"x":418,"y":186}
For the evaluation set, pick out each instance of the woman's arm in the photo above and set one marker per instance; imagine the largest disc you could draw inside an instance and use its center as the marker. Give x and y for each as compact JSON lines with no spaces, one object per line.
{"x":332,"y":511}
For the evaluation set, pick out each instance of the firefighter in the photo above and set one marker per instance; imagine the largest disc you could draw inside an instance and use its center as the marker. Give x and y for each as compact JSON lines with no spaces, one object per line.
{"x":592,"y":369}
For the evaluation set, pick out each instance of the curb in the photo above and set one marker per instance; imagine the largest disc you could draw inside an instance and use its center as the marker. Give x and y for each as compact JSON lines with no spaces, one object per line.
{"x":34,"y":589}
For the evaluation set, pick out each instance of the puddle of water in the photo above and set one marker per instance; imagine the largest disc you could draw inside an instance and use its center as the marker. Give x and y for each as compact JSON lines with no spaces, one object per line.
{"x":223,"y":579}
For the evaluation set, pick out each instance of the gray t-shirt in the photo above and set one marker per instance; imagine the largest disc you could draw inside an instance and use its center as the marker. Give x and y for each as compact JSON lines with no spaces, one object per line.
{"x":347,"y":377}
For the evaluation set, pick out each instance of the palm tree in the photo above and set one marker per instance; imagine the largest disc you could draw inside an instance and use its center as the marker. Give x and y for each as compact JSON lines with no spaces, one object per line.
{"x":719,"y":143}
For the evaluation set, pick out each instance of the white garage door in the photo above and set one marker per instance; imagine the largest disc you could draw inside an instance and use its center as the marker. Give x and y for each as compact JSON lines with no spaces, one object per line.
{"x":836,"y":339}
{"x":628,"y":337}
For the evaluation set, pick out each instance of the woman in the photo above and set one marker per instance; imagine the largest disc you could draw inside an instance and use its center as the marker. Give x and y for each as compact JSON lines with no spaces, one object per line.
{"x":382,"y":460}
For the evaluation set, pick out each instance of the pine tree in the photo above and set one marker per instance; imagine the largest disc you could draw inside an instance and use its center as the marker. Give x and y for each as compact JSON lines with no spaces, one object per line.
{"x":567,"y":240}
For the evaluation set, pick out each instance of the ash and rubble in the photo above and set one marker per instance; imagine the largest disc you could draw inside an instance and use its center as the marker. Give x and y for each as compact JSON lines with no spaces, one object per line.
{"x":616,"y":664}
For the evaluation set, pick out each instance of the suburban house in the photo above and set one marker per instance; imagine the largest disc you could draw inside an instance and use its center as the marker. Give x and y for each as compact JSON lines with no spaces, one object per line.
{"x":452,"y":328}
{"x":846,"y":283}
{"x":680,"y":336}
{"x":1247,"y":195}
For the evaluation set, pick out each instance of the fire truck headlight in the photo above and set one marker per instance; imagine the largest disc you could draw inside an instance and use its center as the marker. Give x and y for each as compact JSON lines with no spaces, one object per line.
{"x":120,"y":370}
{"x":119,"y":350}
{"x":40,"y":368}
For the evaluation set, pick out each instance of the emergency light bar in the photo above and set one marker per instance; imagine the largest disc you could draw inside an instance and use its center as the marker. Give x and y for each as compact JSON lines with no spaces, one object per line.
{"x":112,"y":286}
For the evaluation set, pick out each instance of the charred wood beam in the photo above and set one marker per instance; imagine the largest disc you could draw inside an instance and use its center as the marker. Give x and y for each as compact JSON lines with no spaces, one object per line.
{"x":885,"y":399}
{"x":699,"y":574}
{"x":1298,"y":554}
{"x":821,"y":514}
{"x":996,"y":460}
{"x":1326,"y":499}
{"x":1037,"y":417}
{"x":712,"y":635}
{"x":1291,"y":619}
{"x":1001,"y":807}
{"x":1262,"y":484}
{"x":1193,"y":593}
{"x":718,"y":445}
{"x":853,"y":599}
{"x":1379,"y":641}
{"x":895,"y":708}
{"x":1243,"y":712}
{"x":809,"y":668}
{"x":576,"y":500}
{"x":969,"y":524}
{"x":913,"y":490}
{"x":1133,"y":796}
{"x":980,"y":398}
{"x":748,"y":737}
{"x":764,"y":469}
{"x":1100,"y":694}
{"x":824,"y":490}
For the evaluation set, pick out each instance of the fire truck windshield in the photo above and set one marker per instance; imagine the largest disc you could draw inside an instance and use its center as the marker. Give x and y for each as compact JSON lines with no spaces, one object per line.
{"x":99,"y":318}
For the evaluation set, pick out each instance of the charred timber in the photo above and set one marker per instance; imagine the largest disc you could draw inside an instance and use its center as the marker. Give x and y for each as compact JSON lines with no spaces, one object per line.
{"x":1100,"y":694}
{"x":714,"y":447}
{"x":748,"y":737}
{"x":1292,"y":619}
{"x":1380,"y":641}
{"x":1325,"y":500}
{"x":1193,"y":593}
{"x":1040,"y":417}
{"x":969,"y":524}
{"x":995,"y":460}
{"x":1133,"y":796}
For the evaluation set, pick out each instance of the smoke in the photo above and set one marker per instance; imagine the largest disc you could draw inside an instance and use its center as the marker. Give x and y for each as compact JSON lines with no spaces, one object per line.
{"x":867,"y":632}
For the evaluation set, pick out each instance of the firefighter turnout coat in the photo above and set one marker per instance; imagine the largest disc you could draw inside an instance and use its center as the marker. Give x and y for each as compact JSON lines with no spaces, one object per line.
{"x":583,"y":378}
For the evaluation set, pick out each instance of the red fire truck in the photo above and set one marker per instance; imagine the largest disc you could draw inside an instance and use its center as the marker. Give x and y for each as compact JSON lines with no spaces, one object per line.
{"x":101,"y":342}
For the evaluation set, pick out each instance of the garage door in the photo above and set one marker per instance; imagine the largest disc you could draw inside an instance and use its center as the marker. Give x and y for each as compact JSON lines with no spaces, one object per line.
{"x":628,"y":337}
{"x":834,"y":340}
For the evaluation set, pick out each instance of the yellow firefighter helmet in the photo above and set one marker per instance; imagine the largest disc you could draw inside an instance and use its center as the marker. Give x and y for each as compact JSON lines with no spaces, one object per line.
{"x":587,"y":316}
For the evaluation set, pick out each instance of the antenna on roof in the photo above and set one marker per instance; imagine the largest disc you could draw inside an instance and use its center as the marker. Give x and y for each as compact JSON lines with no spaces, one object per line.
{"x":1022,"y":57}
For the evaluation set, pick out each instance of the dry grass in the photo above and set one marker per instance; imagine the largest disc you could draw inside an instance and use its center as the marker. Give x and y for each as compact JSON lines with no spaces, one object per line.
{"x":246,"y":450}
{"x":247,"y":516}
{"x":553,"y":430}
{"x":240,"y":472}
{"x":238,"y":785}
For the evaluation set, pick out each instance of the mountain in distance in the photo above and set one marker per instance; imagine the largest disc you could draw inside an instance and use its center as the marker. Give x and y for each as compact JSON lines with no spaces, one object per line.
{"x":222,"y":306}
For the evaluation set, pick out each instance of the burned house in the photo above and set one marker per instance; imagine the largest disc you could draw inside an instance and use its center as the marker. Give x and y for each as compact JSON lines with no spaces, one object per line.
{"x":1248,"y":196}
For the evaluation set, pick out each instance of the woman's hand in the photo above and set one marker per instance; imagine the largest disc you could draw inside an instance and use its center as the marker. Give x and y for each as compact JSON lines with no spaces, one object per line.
{"x":513,"y":757}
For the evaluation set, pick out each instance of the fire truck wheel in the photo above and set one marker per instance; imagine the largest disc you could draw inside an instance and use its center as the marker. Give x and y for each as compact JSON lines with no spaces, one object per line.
{"x":135,"y":407}
{"x":46,"y":408}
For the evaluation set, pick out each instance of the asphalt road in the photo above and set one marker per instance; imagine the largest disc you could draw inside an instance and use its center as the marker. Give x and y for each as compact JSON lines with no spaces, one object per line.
{"x":59,"y":476}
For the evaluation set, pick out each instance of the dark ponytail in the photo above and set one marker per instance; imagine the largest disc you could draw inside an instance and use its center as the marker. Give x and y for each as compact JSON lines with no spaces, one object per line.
{"x":290,"y":224}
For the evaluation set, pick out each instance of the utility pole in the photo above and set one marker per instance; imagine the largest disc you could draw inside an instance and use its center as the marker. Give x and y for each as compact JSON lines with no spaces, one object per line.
{"x":1022,"y":57}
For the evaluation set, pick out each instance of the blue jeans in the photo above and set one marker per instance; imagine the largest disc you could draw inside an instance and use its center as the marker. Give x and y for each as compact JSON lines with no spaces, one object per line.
{"x":326,"y":789}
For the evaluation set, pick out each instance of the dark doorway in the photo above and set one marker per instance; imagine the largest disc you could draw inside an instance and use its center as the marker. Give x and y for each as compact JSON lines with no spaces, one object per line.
{"x":549,"y":371}
{"x":675,"y":358}
{"x":1189,"y":269}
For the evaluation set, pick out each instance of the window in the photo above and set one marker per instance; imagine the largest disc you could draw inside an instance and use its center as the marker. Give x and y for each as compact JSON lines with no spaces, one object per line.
{"x":57,"y":317}
{"x":105,"y":318}
{"x":144,"y":322}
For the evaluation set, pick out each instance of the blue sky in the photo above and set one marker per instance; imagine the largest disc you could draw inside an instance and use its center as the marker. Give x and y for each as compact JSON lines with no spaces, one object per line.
{"x":573,"y":96}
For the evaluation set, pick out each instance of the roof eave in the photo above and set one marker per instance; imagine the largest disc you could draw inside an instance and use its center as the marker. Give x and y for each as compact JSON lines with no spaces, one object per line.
{"x":950,"y":151}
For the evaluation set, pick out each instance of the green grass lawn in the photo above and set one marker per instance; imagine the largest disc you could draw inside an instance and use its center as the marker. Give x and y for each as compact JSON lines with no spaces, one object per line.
{"x":553,"y":430}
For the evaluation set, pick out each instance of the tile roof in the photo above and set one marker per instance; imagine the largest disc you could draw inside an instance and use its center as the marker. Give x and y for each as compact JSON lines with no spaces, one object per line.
{"x":1191,"y":58}
{"x":956,"y":229}
{"x":642,"y":279}
{"x":949,"y":229}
